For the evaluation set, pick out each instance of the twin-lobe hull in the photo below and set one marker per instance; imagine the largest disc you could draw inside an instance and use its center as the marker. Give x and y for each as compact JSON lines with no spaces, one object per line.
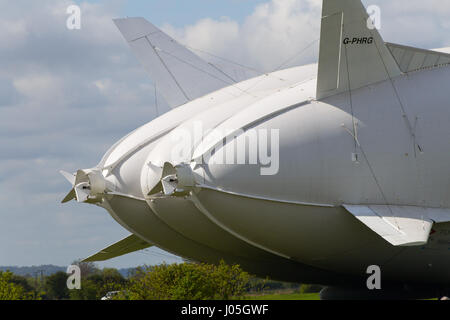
{"x":138,"y":218}
{"x":287,"y":221}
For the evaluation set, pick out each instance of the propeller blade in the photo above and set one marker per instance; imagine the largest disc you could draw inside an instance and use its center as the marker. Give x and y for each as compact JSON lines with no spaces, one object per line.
{"x":70,"y":196}
{"x":82,"y":192}
{"x":169,"y":184}
{"x":156,"y":189}
{"x":69,"y":177}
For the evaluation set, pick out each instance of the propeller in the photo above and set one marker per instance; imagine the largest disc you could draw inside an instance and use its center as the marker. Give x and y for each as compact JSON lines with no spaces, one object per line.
{"x":87,"y":185}
{"x":173,"y":180}
{"x":72,"y":194}
{"x":169,"y":184}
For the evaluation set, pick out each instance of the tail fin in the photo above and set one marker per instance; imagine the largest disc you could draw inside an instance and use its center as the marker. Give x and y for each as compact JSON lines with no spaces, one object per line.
{"x":352,"y":55}
{"x":412,"y":59}
{"x":130,"y":244}
{"x":180,"y":75}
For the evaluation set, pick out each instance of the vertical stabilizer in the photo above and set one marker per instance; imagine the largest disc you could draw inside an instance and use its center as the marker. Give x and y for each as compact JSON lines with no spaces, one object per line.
{"x":179,"y":74}
{"x":352,"y":53}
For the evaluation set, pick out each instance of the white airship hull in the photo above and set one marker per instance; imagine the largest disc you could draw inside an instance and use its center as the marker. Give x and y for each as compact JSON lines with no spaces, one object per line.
{"x":292,"y":217}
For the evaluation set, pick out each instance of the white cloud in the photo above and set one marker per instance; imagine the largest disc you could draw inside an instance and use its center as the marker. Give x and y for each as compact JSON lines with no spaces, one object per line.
{"x":415,"y":22}
{"x":13,"y":32}
{"x":273,"y":33}
{"x":39,"y":88}
{"x":279,"y":29}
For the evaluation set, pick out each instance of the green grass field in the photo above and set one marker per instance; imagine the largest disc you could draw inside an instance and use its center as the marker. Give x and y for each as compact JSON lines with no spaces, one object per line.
{"x":289,"y":296}
{"x":286,"y":296}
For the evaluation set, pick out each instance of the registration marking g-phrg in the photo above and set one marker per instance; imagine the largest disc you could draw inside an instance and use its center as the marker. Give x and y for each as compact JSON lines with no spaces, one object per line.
{"x":358,"y":40}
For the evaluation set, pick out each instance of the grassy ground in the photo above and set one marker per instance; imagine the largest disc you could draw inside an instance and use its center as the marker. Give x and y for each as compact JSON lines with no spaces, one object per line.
{"x":285,"y":296}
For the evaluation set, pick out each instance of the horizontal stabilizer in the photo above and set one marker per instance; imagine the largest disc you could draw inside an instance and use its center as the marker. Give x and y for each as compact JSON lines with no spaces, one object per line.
{"x":129,"y":244}
{"x":411,"y":59}
{"x":179,"y":74}
{"x":352,"y":52}
{"x":400,"y":225}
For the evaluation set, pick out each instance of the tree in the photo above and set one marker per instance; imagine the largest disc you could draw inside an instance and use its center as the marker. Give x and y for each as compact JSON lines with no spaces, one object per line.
{"x":187,"y":281}
{"x":98,"y":284}
{"x":88,"y":291}
{"x":23,"y":282}
{"x":86,"y":268}
{"x":56,"y":286}
{"x":10,"y":290}
{"x":231,"y":281}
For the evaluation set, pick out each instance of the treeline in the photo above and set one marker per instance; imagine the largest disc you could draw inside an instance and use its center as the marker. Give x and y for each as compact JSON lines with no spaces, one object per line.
{"x":186,"y":281}
{"x":46,"y":270}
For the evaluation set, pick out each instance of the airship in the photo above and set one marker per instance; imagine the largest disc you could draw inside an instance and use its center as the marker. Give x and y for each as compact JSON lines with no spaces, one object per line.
{"x":312,"y":174}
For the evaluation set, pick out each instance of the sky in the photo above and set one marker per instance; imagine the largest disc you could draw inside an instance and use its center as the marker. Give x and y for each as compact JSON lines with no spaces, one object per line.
{"x":67,"y":95}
